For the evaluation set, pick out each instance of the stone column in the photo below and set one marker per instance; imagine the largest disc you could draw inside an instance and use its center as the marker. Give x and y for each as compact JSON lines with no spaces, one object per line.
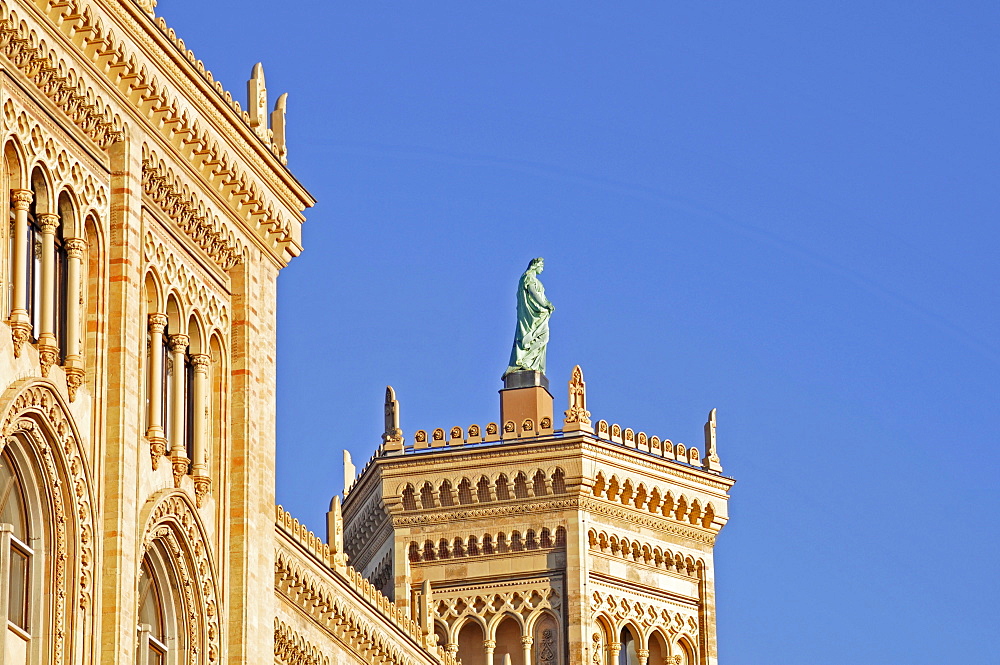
{"x":178,"y":453}
{"x":489,"y":646}
{"x":613,"y":649}
{"x":526,"y":641}
{"x":20,"y":323}
{"x":74,"y":365}
{"x":154,"y":374}
{"x":643,"y":656}
{"x":48,"y":348}
{"x":199,"y":445}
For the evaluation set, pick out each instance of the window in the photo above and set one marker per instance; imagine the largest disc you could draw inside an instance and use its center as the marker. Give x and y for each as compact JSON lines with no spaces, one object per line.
{"x":16,"y":554}
{"x":628,"y":654}
{"x":34,"y":276}
{"x":189,"y":410}
{"x":160,"y":617}
{"x":61,"y":303}
{"x":152,"y":623}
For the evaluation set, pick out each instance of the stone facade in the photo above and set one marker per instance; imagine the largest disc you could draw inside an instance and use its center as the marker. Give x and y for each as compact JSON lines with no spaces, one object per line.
{"x":149,"y":216}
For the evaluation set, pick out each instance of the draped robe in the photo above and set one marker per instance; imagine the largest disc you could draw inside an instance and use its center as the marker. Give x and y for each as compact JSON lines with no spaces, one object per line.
{"x":532,"y":333}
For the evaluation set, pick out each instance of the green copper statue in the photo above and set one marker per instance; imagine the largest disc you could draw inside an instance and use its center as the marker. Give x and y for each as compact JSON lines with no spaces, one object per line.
{"x":533,"y":312}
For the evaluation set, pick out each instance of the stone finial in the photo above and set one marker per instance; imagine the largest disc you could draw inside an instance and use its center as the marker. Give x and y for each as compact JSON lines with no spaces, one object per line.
{"x":426,"y":609}
{"x":711,"y":460}
{"x":257,"y":101}
{"x":278,"y":129}
{"x":335,"y":532}
{"x":392,"y":437}
{"x":577,"y":417}
{"x":350,"y":472}
{"x":147,"y":5}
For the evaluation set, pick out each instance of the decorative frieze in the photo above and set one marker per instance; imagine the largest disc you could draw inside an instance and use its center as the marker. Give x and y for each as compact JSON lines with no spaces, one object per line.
{"x":205,"y":230}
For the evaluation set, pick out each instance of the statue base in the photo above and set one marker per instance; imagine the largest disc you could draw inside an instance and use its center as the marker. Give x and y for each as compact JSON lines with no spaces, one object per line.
{"x":526,"y":405}
{"x":525,"y":379}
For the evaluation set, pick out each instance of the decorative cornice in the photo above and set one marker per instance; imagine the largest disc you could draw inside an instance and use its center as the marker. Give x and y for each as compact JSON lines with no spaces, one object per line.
{"x":448,"y":515}
{"x":658,"y":464}
{"x":206,"y":143}
{"x":57,"y":81}
{"x":208,"y":232}
{"x":648,"y":520}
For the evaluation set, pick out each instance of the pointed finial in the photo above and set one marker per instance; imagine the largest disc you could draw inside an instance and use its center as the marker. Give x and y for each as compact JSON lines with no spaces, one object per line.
{"x":147,"y":6}
{"x":392,"y":437}
{"x":278,"y":129}
{"x":257,"y":101}
{"x":349,"y":472}
{"x":711,"y":457}
{"x":426,"y":611}
{"x":335,"y":532}
{"x":577,"y":417}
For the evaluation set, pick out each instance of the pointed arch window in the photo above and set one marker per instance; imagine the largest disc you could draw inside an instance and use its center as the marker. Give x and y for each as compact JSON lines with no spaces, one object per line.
{"x":34,"y":273}
{"x":61,"y":303}
{"x":15,"y":552}
{"x":152,"y":623}
{"x":160,"y":612}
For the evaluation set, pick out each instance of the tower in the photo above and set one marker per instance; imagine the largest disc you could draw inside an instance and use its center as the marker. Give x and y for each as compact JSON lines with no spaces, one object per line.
{"x":518,"y":541}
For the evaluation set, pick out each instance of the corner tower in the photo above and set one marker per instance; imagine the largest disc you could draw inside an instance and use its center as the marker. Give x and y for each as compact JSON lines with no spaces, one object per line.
{"x":519,"y":542}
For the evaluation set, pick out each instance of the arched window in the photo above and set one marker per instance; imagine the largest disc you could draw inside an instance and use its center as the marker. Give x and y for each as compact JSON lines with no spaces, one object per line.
{"x":60,"y":303}
{"x":160,"y":611}
{"x":34,"y":272}
{"x":152,"y":623}
{"x":685,"y":652}
{"x":629,"y":648}
{"x":508,"y":639}
{"x":470,"y":644}
{"x":16,"y":553}
{"x":657,"y":650}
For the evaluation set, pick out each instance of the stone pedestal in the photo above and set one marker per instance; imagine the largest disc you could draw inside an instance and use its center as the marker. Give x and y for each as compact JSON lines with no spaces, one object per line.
{"x":526,"y":401}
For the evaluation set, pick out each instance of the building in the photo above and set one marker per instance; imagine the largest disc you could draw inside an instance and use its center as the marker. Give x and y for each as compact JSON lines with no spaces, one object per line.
{"x":150,"y":214}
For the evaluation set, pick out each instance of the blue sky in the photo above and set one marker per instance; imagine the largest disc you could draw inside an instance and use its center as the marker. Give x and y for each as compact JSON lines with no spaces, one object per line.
{"x":784,"y":210}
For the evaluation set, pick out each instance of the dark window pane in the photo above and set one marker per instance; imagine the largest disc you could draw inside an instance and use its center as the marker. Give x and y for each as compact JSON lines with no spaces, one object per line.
{"x":17,"y":602}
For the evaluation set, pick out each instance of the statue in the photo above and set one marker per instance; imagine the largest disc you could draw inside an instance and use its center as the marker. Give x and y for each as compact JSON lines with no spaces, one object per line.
{"x":532,"y":333}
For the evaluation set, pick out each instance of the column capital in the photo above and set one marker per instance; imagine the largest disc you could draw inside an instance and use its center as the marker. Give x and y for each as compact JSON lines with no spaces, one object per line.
{"x":527,"y":640}
{"x":49,"y":222}
{"x":157,"y":323}
{"x":178,"y":342}
{"x":75,"y":247}
{"x":21,"y":198}
{"x":489,"y":645}
{"x":201,"y":361}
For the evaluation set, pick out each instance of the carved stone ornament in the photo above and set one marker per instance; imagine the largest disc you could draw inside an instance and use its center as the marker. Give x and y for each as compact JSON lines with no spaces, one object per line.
{"x":180,"y":467}
{"x":20,"y":333}
{"x":147,"y":6}
{"x":47,"y":357}
{"x":157,"y":449}
{"x":202,"y":486}
{"x":74,"y":380}
{"x":577,"y":413}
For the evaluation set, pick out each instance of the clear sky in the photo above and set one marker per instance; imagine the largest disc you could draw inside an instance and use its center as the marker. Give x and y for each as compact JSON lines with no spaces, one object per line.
{"x":784,"y":210}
